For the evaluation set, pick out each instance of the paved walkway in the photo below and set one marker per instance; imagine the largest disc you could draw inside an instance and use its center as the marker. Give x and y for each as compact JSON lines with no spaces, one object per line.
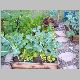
{"x":68,"y":57}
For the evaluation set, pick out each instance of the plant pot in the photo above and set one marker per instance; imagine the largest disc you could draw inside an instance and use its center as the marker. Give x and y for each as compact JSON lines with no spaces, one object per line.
{"x":75,"y":38}
{"x":22,"y":65}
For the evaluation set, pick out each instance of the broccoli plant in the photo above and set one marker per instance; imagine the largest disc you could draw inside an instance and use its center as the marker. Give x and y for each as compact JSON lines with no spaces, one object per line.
{"x":16,"y":41}
{"x":42,"y":41}
{"x":5,"y":46}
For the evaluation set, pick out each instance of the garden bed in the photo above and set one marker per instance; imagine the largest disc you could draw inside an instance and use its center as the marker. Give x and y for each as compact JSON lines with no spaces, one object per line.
{"x":25,"y":65}
{"x":32,"y":39}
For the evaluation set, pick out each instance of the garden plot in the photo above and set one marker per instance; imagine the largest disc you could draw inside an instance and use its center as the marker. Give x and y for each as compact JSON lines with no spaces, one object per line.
{"x":40,"y":39}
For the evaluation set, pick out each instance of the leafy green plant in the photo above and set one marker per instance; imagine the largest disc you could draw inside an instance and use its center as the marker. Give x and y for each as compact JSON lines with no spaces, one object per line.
{"x":72,"y":18}
{"x":53,"y":13}
{"x":42,"y":41}
{"x":70,"y":33}
{"x":26,"y":55}
{"x":20,"y":20}
{"x":25,"y":35}
{"x":5,"y":46}
{"x":16,"y":41}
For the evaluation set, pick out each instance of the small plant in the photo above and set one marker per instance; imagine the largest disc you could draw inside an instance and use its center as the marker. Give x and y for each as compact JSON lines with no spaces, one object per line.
{"x":53,"y":13}
{"x":50,"y":20}
{"x":16,"y":42}
{"x":71,"y":18}
{"x":70,"y":33}
{"x":5,"y":46}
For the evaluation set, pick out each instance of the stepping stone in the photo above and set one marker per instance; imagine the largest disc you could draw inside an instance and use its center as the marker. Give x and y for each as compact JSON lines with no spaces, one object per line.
{"x":60,"y":33}
{"x":62,"y":39}
{"x":67,"y":56}
{"x":70,"y":67}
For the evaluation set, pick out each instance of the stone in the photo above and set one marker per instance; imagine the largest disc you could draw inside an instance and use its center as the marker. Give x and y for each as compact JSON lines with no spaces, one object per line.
{"x":67,"y":56}
{"x":62,"y":39}
{"x":8,"y":57}
{"x":70,"y":67}
{"x":60,"y":33}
